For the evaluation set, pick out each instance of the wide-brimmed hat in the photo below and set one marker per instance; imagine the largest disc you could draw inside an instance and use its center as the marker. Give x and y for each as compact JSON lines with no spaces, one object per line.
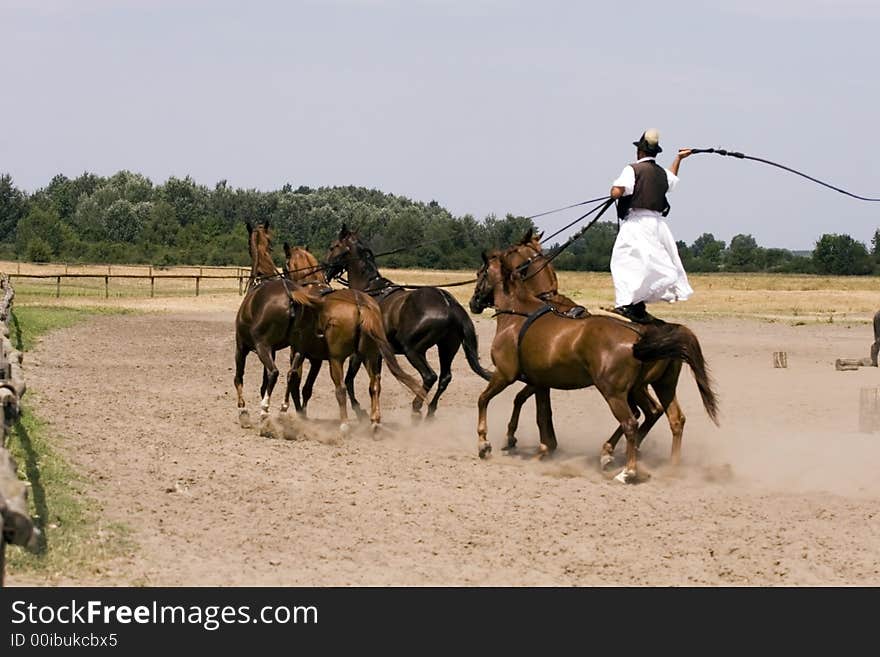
{"x":649,"y":142}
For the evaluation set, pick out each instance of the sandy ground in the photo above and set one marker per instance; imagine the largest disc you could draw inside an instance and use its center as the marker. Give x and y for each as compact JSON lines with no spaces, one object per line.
{"x":785,"y":492}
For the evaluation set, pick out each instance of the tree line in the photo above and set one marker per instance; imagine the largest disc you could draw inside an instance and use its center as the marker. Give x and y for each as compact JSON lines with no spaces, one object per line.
{"x":126,"y":218}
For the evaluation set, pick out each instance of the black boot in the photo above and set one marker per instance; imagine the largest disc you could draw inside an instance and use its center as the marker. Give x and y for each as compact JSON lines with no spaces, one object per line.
{"x":643,"y":316}
{"x":636,"y":312}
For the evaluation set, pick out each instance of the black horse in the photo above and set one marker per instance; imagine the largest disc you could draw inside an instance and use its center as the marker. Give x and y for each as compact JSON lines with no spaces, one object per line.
{"x":415,"y":319}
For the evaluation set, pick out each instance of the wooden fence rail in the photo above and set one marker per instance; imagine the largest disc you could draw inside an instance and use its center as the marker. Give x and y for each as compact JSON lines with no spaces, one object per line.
{"x":16,"y":526}
{"x":197,"y":278}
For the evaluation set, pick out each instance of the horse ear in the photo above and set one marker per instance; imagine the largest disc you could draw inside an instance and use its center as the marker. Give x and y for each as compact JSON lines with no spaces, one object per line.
{"x":287,"y":249}
{"x":485,"y":258}
{"x":540,"y":235}
{"x":527,"y":237}
{"x":344,"y":232}
{"x":266,"y":225}
{"x":250,"y":227}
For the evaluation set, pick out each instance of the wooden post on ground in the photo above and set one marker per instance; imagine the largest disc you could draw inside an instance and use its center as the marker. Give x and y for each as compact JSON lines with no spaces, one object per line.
{"x":198,"y":278}
{"x":106,"y":287}
{"x":869,"y":410}
{"x":849,"y":364}
{"x":58,"y":286}
{"x":152,"y":286}
{"x":239,"y":285}
{"x":780,"y":359}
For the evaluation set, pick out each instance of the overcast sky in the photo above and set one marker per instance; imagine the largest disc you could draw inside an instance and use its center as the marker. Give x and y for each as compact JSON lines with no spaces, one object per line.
{"x":486,"y":106}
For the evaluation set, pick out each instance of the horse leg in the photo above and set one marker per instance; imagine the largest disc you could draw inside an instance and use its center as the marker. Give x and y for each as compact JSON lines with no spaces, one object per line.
{"x":354,"y":365}
{"x":653,"y":412}
{"x":294,"y":376}
{"x":545,"y":422}
{"x":336,"y":375}
{"x":512,"y":425}
{"x":665,"y":390}
{"x":416,"y":356}
{"x":620,"y":407}
{"x":241,"y":353}
{"x":270,"y":376}
{"x":647,"y":404}
{"x":374,"y":371}
{"x":496,"y":385}
{"x":314,"y":367}
{"x":446,"y":350}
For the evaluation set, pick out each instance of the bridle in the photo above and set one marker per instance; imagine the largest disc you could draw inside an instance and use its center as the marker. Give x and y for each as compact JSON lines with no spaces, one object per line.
{"x":521,"y":271}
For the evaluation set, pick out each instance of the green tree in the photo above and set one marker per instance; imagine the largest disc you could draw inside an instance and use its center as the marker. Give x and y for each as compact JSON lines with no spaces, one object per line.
{"x":43,"y":228}
{"x":13,"y":208}
{"x":841,"y":255}
{"x":707,"y":253}
{"x":744,"y":254}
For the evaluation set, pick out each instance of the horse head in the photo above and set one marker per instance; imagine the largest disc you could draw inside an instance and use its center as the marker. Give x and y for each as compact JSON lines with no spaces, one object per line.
{"x":527,"y":262}
{"x":348,"y":249}
{"x":302,"y":266}
{"x":489,"y":276}
{"x":260,"y":249}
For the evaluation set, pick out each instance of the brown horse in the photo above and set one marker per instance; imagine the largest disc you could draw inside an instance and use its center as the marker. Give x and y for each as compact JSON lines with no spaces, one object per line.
{"x":549,"y":350}
{"x":529,"y":264}
{"x":415,"y":319}
{"x":334,"y":325}
{"x":304,"y":269}
{"x":264,"y":318}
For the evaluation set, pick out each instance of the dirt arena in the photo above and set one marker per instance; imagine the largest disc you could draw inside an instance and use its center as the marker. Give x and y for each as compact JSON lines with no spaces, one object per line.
{"x":785,"y":492}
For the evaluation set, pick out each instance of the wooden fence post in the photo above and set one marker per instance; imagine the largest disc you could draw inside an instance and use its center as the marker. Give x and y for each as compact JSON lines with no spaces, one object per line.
{"x":152,"y":286}
{"x":198,"y":278}
{"x":869,"y":410}
{"x":57,"y":287}
{"x":239,"y":286}
{"x":106,"y":287}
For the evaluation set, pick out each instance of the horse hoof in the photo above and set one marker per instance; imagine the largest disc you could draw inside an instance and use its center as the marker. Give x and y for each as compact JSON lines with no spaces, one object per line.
{"x":244,"y":419}
{"x":376,"y":427}
{"x":606,"y":461}
{"x":344,"y":427}
{"x":626,"y":477}
{"x":485,"y":449}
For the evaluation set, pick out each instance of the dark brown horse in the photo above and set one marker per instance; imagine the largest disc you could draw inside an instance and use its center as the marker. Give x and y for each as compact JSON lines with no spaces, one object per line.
{"x":554,"y":351}
{"x":415,"y":319}
{"x":264,"y":318}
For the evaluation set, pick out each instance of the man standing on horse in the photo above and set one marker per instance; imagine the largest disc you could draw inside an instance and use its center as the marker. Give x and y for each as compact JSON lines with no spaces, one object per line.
{"x":645,"y":264}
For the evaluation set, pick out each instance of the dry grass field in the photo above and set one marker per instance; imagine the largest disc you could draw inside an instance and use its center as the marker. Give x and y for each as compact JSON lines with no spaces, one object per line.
{"x":770,"y":297}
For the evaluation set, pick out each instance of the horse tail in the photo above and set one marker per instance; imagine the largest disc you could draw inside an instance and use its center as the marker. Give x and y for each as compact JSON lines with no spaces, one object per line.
{"x":372,"y":326}
{"x":469,"y":339}
{"x":674,"y":341}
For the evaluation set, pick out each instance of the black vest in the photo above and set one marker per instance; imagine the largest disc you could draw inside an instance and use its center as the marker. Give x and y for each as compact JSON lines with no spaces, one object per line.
{"x":649,"y":192}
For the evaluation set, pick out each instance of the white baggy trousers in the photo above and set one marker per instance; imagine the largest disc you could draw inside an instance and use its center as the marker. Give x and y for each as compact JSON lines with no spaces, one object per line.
{"x":645,"y":264}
